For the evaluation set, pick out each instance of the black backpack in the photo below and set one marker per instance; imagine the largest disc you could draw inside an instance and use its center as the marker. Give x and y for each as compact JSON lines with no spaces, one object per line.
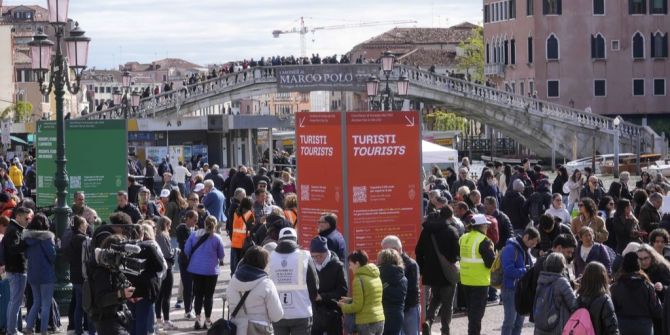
{"x":524,"y":293}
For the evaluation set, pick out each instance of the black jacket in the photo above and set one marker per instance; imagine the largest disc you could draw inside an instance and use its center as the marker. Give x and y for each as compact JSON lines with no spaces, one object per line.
{"x":601,"y":310}
{"x":513,"y":205}
{"x":132,"y":211}
{"x":332,"y":285}
{"x":547,"y":239}
{"x":649,"y":217}
{"x":538,"y":203}
{"x":596,"y":195}
{"x":505,"y":228}
{"x":659,"y":274}
{"x":217,"y":178}
{"x":73,"y":252}
{"x":426,"y":257}
{"x":462,"y":182}
{"x":393,"y":297}
{"x":105,"y":293}
{"x":133,"y":192}
{"x":557,"y":185}
{"x":148,"y":284}
{"x":634,"y":297}
{"x":412,"y":275}
{"x":242,"y":180}
{"x":14,"y":248}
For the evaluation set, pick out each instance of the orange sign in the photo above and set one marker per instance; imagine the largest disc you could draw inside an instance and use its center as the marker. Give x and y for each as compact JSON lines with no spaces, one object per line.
{"x":384,"y":179}
{"x":319,"y":175}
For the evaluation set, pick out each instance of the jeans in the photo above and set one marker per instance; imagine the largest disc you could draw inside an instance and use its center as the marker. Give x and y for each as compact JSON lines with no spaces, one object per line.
{"x":512,"y":322}
{"x":142,"y":315}
{"x":42,"y":295}
{"x":17,"y":284}
{"x":475,"y":299}
{"x":441,"y":296}
{"x":412,"y":319}
{"x":294,"y":326}
{"x":376,"y":328}
{"x":79,"y":317}
{"x":234,"y":259}
{"x":187,"y":286}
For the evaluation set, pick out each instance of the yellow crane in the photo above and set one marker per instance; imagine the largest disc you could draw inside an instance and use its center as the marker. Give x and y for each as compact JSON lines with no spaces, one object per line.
{"x":303,"y":30}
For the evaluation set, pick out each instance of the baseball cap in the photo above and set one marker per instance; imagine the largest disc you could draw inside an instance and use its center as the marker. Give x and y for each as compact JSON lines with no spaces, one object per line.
{"x":199,"y":187}
{"x":288,"y":234}
{"x":479,"y":219}
{"x":165,"y":193}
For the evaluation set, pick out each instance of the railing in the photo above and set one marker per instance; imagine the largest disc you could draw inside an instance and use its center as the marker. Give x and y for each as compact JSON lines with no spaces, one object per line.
{"x":494,"y":69}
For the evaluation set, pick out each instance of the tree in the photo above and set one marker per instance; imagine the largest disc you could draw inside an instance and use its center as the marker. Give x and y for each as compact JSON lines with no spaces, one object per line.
{"x":21,"y":111}
{"x":472,"y":59}
{"x":449,"y":121}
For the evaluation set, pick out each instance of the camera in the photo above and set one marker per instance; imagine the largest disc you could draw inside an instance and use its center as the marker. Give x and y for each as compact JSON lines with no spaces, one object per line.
{"x":118,"y":258}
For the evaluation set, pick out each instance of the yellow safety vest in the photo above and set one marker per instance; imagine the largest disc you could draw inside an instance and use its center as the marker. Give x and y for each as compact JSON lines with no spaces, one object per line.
{"x":473,"y":270}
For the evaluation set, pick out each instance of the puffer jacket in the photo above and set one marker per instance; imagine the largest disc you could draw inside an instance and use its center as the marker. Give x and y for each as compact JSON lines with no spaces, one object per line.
{"x":601,"y":310}
{"x":262,"y":305}
{"x":514,"y":261}
{"x":367,"y":298}
{"x":564,"y":299}
{"x":393,"y":297}
{"x":41,"y":255}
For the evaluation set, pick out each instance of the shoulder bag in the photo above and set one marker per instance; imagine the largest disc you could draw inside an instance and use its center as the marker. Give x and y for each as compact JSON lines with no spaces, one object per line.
{"x":451,"y":271}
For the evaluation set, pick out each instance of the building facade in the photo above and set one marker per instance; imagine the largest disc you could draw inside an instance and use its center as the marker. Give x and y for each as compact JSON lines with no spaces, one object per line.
{"x":606,"y":56}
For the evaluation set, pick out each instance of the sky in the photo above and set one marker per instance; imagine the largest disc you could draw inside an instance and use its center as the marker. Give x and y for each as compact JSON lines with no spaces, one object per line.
{"x":216,"y":31}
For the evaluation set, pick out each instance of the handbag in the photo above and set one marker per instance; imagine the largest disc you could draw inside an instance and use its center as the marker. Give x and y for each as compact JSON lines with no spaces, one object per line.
{"x":450,"y":270}
{"x":227,"y":327}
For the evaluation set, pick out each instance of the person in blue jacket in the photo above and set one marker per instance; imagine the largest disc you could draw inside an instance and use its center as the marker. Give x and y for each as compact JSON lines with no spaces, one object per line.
{"x":41,"y":255}
{"x":392,"y":274}
{"x":327,"y":227}
{"x":214,"y":201}
{"x":515,"y":261}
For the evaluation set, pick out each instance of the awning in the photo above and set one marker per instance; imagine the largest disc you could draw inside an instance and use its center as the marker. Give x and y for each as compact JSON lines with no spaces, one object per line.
{"x":18,"y":140}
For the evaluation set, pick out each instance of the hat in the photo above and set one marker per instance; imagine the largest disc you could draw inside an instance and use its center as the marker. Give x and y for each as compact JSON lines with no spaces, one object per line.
{"x":480,"y":219}
{"x":165,"y":193}
{"x":319,"y":244}
{"x":631,"y":263}
{"x":288,"y":234}
{"x":199,"y":187}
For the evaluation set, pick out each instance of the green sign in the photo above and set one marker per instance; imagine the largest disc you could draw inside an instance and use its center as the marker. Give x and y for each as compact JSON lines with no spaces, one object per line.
{"x":96,"y":152}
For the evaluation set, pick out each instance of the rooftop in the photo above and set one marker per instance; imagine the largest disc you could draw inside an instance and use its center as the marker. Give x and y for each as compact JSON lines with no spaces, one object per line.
{"x":414,"y":36}
{"x":40,"y":13}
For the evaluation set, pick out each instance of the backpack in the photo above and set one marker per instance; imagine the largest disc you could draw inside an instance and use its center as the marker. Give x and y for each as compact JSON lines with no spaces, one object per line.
{"x":545,"y":311}
{"x":524,"y":294}
{"x":579,"y":323}
{"x":497,"y":275}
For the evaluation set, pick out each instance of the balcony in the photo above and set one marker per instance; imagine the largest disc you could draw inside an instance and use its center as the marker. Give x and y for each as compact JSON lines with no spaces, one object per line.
{"x":494,"y":69}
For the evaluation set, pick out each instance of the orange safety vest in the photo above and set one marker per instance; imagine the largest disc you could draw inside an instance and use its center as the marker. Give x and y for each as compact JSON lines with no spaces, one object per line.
{"x":240,"y":229}
{"x":291,"y":216}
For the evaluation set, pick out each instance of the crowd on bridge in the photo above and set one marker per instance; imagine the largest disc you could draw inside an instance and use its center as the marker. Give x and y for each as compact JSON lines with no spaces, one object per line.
{"x":566,"y":253}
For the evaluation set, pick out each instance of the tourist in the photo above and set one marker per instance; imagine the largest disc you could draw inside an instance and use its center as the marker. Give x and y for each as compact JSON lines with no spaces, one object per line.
{"x":332,"y":287}
{"x":391,"y":273}
{"x":649,"y":216}
{"x":366,"y":301}
{"x":165,"y":293}
{"x":513,"y":205}
{"x":625,"y":226}
{"x":575,"y":185}
{"x":183,"y":232}
{"x":588,"y":216}
{"x":214,"y":201}
{"x":594,"y":295}
{"x":558,"y":210}
{"x":412,"y":311}
{"x":73,"y":252}
{"x":126,"y":207}
{"x":590,"y":251}
{"x":41,"y":257}
{"x":554,"y":299}
{"x":659,"y":239}
{"x":15,"y":264}
{"x":327,"y":227}
{"x":175,"y":208}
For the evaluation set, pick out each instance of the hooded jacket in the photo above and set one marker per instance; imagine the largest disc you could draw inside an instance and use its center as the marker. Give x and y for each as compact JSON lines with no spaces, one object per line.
{"x":366,"y":301}
{"x":563,"y":296}
{"x":262,"y":304}
{"x":393,"y":297}
{"x":426,"y":257}
{"x":41,"y":255}
{"x":14,"y":248}
{"x":634,"y":297}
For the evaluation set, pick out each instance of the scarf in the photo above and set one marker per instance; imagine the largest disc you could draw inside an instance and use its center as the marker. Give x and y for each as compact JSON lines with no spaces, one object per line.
{"x":325,"y":262}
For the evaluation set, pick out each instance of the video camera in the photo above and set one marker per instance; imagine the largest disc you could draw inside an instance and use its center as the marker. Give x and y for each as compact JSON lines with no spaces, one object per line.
{"x":117,"y":258}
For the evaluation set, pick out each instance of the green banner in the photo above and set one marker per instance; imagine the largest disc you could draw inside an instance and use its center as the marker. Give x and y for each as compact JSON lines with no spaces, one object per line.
{"x":96,"y":152}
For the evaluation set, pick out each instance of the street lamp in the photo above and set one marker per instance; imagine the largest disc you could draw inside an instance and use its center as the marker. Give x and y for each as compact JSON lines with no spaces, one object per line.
{"x":121,"y":96}
{"x":616,"y":123}
{"x":53,"y":74}
{"x":386,"y":101}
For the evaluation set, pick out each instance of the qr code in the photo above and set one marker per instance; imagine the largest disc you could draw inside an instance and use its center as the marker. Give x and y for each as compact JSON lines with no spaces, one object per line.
{"x":75,"y":182}
{"x":304,"y":192}
{"x":360,"y":194}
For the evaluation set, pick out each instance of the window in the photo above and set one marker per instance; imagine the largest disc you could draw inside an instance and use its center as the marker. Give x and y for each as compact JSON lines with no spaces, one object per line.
{"x":495,"y":12}
{"x":108,"y":89}
{"x":530,"y":50}
{"x":512,"y":48}
{"x":513,"y":86}
{"x":488,"y":53}
{"x":551,"y":7}
{"x":486,"y":13}
{"x":531,"y":89}
{"x":599,"y":88}
{"x":552,"y":89}
{"x":552,"y":47}
{"x":506,"y":51}
{"x":659,"y":87}
{"x":529,"y":7}
{"x":96,"y":89}
{"x":616,"y":45}
{"x":638,"y":46}
{"x":597,"y":47}
{"x":637,"y":7}
{"x":598,"y":7}
{"x":659,"y":45}
{"x":512,"y":9}
{"x":503,"y":10}
{"x":638,"y":87}
{"x":522,"y":88}
{"x":658,"y":6}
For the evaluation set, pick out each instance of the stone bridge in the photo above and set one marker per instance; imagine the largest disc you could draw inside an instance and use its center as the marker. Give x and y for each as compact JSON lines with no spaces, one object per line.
{"x":542,"y":126}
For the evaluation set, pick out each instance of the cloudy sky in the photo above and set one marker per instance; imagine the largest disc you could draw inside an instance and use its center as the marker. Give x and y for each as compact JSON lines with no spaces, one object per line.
{"x":215,"y":31}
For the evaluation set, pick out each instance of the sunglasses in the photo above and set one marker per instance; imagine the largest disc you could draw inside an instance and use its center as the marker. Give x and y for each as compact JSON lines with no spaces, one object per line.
{"x":580,"y":205}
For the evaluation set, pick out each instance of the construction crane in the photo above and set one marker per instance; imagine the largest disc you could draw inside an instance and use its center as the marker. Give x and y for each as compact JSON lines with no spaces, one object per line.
{"x":303,"y":30}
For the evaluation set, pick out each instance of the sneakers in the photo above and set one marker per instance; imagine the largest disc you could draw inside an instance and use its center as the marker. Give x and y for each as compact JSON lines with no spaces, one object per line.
{"x":189,"y":315}
{"x":197,"y":325}
{"x":168,"y":325}
{"x":208,"y":324}
{"x":425,"y":328}
{"x":178,"y":304}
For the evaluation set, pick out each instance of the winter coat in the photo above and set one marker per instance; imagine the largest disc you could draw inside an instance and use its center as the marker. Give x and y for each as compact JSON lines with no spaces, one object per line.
{"x":575,"y":189}
{"x":215,"y":203}
{"x":649,"y":217}
{"x":487,"y":190}
{"x":547,"y":239}
{"x":598,"y":253}
{"x":366,"y":301}
{"x":242,"y":180}
{"x":393,"y":297}
{"x":205,"y":259}
{"x":557,"y":185}
{"x":132,"y":211}
{"x":513,"y":206}
{"x":596,"y":223}
{"x":16,"y":176}
{"x":73,"y":253}
{"x":458,"y":183}
{"x":332,"y":287}
{"x":625,"y":231}
{"x":561,"y":213}
{"x":336,"y":241}
{"x":515,"y":261}
{"x":41,"y":256}
{"x":564,"y":299}
{"x":538,"y":203}
{"x":601,"y":310}
{"x":216,"y":178}
{"x":173,"y":212}
{"x":635,"y":298}
{"x":14,"y":248}
{"x":412,"y":275}
{"x":659,"y":274}
{"x":595,"y":195}
{"x":505,"y":229}
{"x":426,"y":257}
{"x":148,"y":283}
{"x":262,"y":303}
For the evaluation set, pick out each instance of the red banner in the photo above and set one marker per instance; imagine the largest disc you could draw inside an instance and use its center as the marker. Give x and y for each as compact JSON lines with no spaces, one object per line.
{"x":319,"y":182}
{"x":384,"y":179}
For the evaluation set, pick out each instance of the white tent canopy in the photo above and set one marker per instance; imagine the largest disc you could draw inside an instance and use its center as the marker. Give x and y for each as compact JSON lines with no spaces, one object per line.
{"x":435,"y":154}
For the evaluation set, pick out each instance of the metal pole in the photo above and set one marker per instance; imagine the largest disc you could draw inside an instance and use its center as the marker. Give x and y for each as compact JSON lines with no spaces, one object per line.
{"x":639,"y":153}
{"x":616,"y":152}
{"x":553,"y":153}
{"x":593,"y":151}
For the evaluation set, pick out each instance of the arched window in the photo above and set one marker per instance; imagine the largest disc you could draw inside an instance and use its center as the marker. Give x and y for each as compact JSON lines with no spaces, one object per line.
{"x":659,"y":45}
{"x":638,"y":46}
{"x":552,"y":47}
{"x":597,"y":46}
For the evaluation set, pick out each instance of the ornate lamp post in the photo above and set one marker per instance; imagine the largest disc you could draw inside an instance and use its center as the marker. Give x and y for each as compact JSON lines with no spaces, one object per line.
{"x":386,"y":102}
{"x":122,"y":98}
{"x":53,"y":74}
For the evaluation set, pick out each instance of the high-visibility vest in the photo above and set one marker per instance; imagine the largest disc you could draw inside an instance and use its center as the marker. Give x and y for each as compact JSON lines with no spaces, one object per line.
{"x":289,"y":274}
{"x":240,"y":229}
{"x":291,"y":216}
{"x":473,"y":270}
